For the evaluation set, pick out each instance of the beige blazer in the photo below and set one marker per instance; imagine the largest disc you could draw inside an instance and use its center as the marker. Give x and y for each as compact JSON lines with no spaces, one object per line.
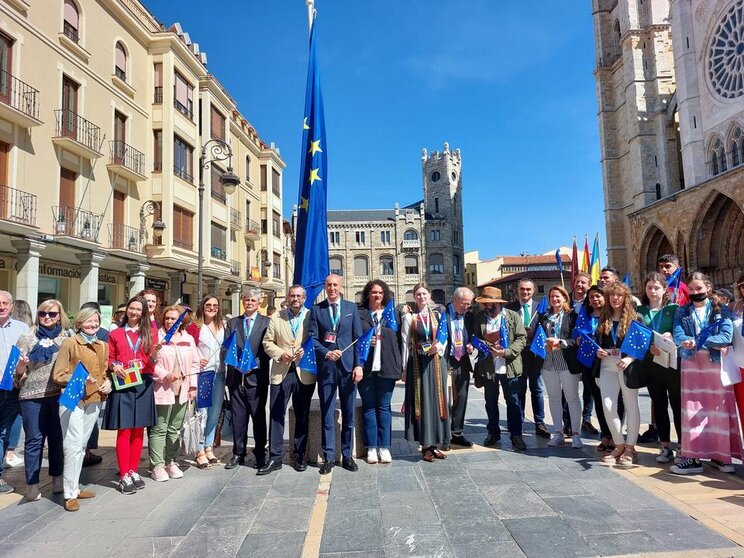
{"x":278,"y":340}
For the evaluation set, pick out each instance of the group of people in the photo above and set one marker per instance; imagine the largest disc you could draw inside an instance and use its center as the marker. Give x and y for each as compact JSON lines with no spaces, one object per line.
{"x":143,"y":374}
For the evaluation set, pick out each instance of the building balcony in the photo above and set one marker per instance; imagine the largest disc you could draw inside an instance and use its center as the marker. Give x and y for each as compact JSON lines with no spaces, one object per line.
{"x":436,"y":278}
{"x":411,"y":278}
{"x":389,"y":279}
{"x":126,"y":161}
{"x":187,"y":111}
{"x":124,"y":237}
{"x":76,"y":223}
{"x":183,"y":173}
{"x":157,"y":96}
{"x":219,"y":253}
{"x":411,"y":244}
{"x":17,"y":206}
{"x":77,"y":135}
{"x":19,"y":102}
{"x":359,"y":281}
{"x":235,"y":221}
{"x":252,"y":230}
{"x":235,"y":268}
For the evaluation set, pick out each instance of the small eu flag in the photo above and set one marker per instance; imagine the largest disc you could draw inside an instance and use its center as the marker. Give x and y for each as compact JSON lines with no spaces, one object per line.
{"x":480,"y":346}
{"x":674,"y":279}
{"x":174,"y":328}
{"x":626,"y":279}
{"x":587,"y":350}
{"x":307,"y":362}
{"x":504,"y":332}
{"x":6,"y":382}
{"x":231,"y":357}
{"x":538,"y":342}
{"x":442,"y":333}
{"x":388,"y":315}
{"x":204,"y":389}
{"x":363,"y":345}
{"x":583,"y":323}
{"x":542,"y":307}
{"x":75,"y":388}
{"x":637,"y":340}
{"x":702,"y":337}
{"x":248,"y":360}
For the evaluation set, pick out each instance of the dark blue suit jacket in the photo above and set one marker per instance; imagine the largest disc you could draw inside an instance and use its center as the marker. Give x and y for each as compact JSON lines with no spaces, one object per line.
{"x":259,"y":375}
{"x":349,"y":328}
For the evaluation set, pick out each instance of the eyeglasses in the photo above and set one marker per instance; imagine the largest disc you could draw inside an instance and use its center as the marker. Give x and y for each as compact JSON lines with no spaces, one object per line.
{"x":48,"y":314}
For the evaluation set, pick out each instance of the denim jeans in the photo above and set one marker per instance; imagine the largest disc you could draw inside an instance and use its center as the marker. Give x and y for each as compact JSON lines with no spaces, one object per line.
{"x":213,"y":412}
{"x":376,"y":393}
{"x":512,"y":389}
{"x":41,"y":423}
{"x":531,"y":377}
{"x":9,"y":410}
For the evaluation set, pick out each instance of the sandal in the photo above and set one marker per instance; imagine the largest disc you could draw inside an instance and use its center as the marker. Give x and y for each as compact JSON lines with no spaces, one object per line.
{"x":210,"y":456}
{"x":201,"y":461}
{"x":615,"y":455}
{"x":605,"y":446}
{"x":628,"y":458}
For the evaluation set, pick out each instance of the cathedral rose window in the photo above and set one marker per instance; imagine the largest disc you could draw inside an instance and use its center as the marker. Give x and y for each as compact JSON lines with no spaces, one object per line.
{"x":726,"y":54}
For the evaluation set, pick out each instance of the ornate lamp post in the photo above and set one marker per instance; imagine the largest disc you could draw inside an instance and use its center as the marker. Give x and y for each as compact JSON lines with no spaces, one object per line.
{"x":148,"y":208}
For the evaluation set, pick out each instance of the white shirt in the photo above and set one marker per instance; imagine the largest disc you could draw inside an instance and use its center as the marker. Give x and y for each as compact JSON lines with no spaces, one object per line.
{"x":209,"y":346}
{"x":493,"y":325}
{"x":376,"y":358}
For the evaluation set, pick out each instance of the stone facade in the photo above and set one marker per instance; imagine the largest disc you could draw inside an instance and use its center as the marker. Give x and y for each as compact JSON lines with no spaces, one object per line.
{"x":671,"y":112}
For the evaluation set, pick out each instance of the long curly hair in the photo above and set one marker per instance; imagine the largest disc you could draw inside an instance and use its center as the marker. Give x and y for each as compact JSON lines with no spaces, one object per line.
{"x":627,"y":315}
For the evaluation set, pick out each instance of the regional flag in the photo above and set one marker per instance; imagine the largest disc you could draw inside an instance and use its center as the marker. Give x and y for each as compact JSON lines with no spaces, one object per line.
{"x":637,"y":340}
{"x":75,"y":388}
{"x":6,"y":381}
{"x":595,"y":266}
{"x":311,"y":254}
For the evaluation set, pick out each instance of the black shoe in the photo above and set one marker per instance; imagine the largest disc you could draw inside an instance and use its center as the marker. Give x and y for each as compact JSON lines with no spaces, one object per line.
{"x":235,"y":460}
{"x":491,"y":440}
{"x":649,"y":436}
{"x":542,"y":432}
{"x":327,"y":467}
{"x":300,"y":463}
{"x":518,"y":443}
{"x":270,"y":467}
{"x":92,"y":459}
{"x":260,"y":463}
{"x":137,"y":481}
{"x":349,"y":464}
{"x":588,"y":428}
{"x":461,"y":441}
{"x":126,"y":485}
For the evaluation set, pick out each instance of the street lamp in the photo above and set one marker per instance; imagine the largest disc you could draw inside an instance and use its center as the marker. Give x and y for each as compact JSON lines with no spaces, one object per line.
{"x":218,"y":151}
{"x":148,"y":208}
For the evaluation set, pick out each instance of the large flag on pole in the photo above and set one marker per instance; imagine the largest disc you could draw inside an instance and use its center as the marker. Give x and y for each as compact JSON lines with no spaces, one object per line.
{"x":585,"y":258}
{"x":595,"y":266}
{"x":311,"y":255}
{"x":574,"y":262}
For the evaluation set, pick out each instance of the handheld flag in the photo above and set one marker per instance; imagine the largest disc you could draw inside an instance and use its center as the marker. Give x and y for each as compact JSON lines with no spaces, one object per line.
{"x":480,"y":345}
{"x":503,"y":333}
{"x":542,"y":307}
{"x":311,"y":254}
{"x":674,"y":279}
{"x":231,"y":357}
{"x":307,"y":362}
{"x":538,"y":343}
{"x":558,"y":259}
{"x":583,"y":323}
{"x":442,"y":333}
{"x":6,"y":382}
{"x":248,"y":360}
{"x":75,"y":388}
{"x":587,"y":352}
{"x":585,"y":257}
{"x":204,"y":389}
{"x":626,"y":279}
{"x":174,"y":328}
{"x":574,"y":262}
{"x":702,"y":337}
{"x":595,"y":266}
{"x":363,"y":345}
{"x":637,"y":340}
{"x":388,"y":315}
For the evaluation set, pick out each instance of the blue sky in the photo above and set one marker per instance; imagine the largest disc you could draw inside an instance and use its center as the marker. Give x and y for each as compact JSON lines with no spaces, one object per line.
{"x":509,"y":83}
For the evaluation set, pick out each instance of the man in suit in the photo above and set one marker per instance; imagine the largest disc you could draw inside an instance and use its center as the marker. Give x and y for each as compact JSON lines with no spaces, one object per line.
{"x":457,"y":353}
{"x":248,"y":391}
{"x":283,"y":343}
{"x":531,"y":365}
{"x":334,"y":325}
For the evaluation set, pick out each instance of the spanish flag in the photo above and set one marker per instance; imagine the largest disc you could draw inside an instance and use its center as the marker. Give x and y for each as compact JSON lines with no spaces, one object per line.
{"x":585,"y":259}
{"x":595,"y":266}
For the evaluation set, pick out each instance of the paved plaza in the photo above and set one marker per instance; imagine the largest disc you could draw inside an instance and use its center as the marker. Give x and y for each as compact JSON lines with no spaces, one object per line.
{"x":547,"y":502}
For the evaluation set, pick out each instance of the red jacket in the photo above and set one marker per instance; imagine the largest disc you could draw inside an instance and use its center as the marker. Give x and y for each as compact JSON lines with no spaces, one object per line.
{"x":120,"y":351}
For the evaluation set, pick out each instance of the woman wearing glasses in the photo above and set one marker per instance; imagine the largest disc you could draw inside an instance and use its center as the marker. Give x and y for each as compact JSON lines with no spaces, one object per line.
{"x":39,"y":395}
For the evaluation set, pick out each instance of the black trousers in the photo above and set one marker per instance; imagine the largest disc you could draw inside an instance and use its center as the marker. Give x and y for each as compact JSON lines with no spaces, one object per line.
{"x":665,"y":390}
{"x":249,"y":403}
{"x":301,"y":395}
{"x":460,"y":386}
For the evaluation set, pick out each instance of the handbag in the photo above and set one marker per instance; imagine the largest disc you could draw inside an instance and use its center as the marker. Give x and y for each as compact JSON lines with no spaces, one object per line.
{"x":635,"y":375}
{"x":192,"y":430}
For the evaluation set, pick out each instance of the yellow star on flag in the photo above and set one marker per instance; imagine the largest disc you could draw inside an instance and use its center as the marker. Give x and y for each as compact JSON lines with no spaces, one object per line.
{"x":305,"y":204}
{"x":314,"y":176}
{"x":315,"y":147}
{"x":304,"y":124}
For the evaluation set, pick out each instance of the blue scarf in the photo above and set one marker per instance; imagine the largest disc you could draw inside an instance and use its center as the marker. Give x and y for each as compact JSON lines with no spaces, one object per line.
{"x":88,"y":338}
{"x":45,"y":347}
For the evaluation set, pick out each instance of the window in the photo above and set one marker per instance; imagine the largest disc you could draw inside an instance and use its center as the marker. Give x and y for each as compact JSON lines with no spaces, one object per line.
{"x":277,"y":267}
{"x":456,"y":265}
{"x":437,"y":295}
{"x":219,"y":242}
{"x":385,"y":237}
{"x":724,"y":68}
{"x":410,"y":234}
{"x":336,"y":265}
{"x":541,"y":289}
{"x":717,"y":157}
{"x":158,"y":80}
{"x":411,"y":264}
{"x":658,"y":191}
{"x":247,"y":168}
{"x":183,"y":228}
{"x":361,"y":266}
{"x":436,"y":264}
{"x":264,"y":178}
{"x":434,"y":234}
{"x":218,"y":190}
{"x":436,"y":205}
{"x":615,"y":46}
{"x":334,"y":238}
{"x":183,"y":96}
{"x":736,"y":147}
{"x":360,"y":238}
{"x":119,"y":151}
{"x":276,"y":183}
{"x":386,"y":265}
{"x":6,"y":63}
{"x":120,"y":63}
{"x":217,"y":125}
{"x":71,"y":25}
{"x":157,"y":163}
{"x":264,"y":222}
{"x":183,"y":159}
{"x":69,"y":108}
{"x":276,"y":224}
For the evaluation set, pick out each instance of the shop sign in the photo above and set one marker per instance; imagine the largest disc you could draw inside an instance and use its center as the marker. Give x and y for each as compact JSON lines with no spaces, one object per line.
{"x":156,"y":284}
{"x":51,"y":270}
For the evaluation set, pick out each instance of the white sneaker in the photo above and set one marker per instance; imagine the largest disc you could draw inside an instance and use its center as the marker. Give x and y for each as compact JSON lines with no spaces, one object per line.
{"x":576,"y":442}
{"x":556,"y":439}
{"x":15,"y":461}
{"x":173,"y":471}
{"x":385,"y":456}
{"x":371,"y":455}
{"x":723,"y":467}
{"x":58,"y":486}
{"x":32,"y":493}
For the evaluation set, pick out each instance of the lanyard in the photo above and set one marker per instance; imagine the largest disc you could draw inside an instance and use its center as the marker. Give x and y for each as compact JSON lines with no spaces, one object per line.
{"x":701,"y":323}
{"x":334,"y":319}
{"x":246,"y":330}
{"x":613,"y":331}
{"x":134,"y":347}
{"x":456,"y":326}
{"x":424,"y":319}
{"x":556,"y":322}
{"x":294,"y":323}
{"x":378,"y":323}
{"x":595,"y":323}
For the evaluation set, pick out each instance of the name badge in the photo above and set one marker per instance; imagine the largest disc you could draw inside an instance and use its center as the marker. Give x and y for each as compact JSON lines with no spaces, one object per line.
{"x":425,"y":347}
{"x":614,"y":352}
{"x":330,"y":337}
{"x":458,"y":342}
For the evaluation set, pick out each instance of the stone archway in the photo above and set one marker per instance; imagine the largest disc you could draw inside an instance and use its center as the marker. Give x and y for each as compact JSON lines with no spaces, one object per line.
{"x":718,"y":247}
{"x":655,"y":245}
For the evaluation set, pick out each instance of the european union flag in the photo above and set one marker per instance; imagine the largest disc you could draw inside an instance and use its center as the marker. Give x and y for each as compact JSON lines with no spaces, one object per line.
{"x":504,"y":332}
{"x":442,"y":333}
{"x":542,"y":307}
{"x":307,"y":362}
{"x":538,"y":343}
{"x":311,"y":253}
{"x":674,"y":279}
{"x":559,"y":259}
{"x":637,"y":340}
{"x":583,"y":323}
{"x":587,"y":350}
{"x":702,"y":337}
{"x":231,"y":356}
{"x":248,"y":360}
{"x":626,"y":279}
{"x":204,"y":389}
{"x":75,"y":388}
{"x":6,"y":382}
{"x":388,"y":314}
{"x":174,"y":328}
{"x":363,"y":344}
{"x":480,"y":345}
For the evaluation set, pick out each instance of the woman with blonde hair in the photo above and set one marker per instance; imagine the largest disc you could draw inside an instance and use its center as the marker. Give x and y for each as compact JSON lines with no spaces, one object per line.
{"x":39,"y":395}
{"x":613,"y":369}
{"x":77,"y":424}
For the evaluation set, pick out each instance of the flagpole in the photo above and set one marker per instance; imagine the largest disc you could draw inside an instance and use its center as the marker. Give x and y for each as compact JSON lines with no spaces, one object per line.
{"x":310,"y":13}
